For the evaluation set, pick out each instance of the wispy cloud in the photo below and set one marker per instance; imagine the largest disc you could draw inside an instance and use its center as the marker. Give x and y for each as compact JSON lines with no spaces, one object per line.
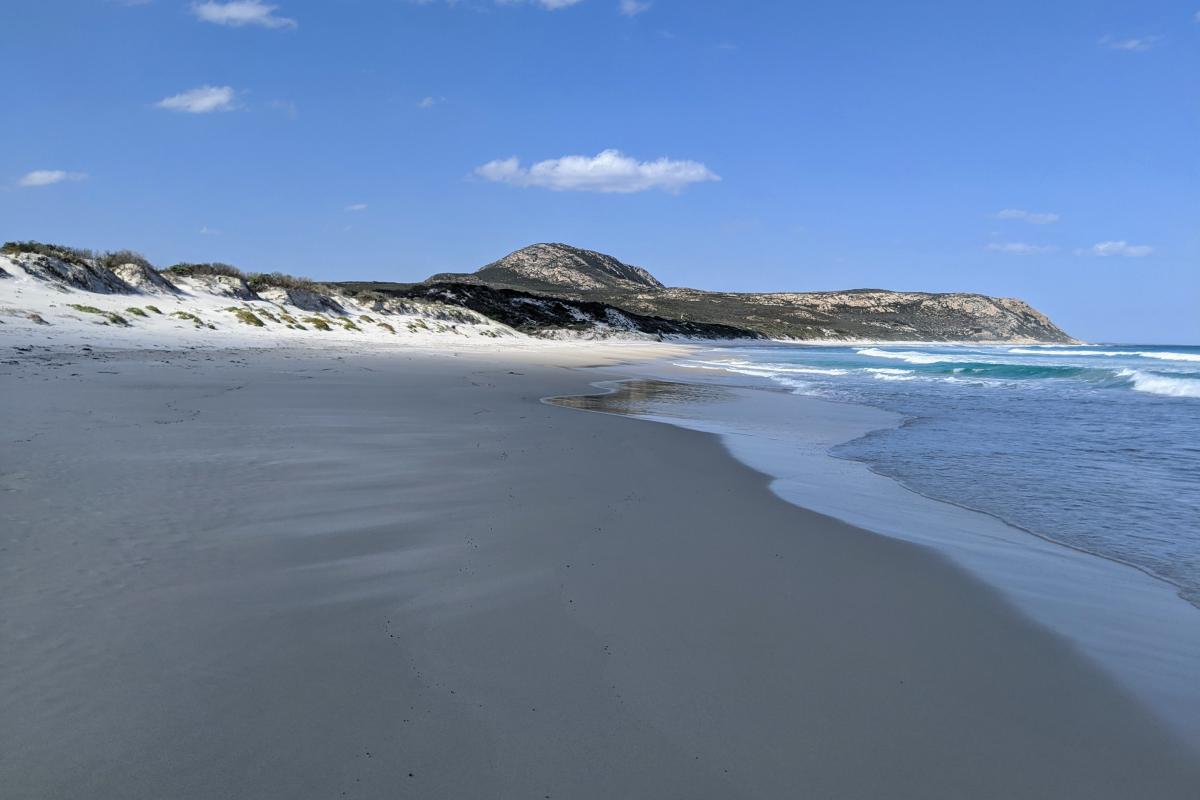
{"x":1134,"y":44}
{"x":48,"y":177}
{"x":1120,"y":248}
{"x":286,"y":107}
{"x":549,"y":5}
{"x":1020,"y":248}
{"x":201,"y":100}
{"x":631,"y":8}
{"x":430,"y":102}
{"x":608,"y":171}
{"x":1032,"y":217}
{"x":207,"y":231}
{"x":357,"y":207}
{"x":241,"y":12}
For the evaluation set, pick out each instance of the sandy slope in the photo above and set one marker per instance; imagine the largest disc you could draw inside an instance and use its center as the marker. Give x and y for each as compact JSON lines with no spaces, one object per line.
{"x":49,"y":312}
{"x":297,"y":574}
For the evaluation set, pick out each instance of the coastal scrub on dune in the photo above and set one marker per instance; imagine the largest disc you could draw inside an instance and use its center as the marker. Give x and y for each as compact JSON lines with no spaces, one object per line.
{"x":114,"y":318}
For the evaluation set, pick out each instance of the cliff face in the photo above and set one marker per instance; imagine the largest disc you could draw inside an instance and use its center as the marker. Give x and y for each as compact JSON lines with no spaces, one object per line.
{"x":583,"y":275}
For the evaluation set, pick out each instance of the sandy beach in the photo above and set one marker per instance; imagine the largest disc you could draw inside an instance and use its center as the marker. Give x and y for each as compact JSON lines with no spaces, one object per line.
{"x":317,"y":574}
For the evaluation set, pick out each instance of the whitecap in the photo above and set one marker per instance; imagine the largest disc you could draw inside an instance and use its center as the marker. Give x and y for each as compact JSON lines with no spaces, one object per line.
{"x":1161,"y":384}
{"x":912,"y":356}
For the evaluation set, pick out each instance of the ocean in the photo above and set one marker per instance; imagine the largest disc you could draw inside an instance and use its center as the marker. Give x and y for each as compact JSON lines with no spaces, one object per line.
{"x":1095,"y":447}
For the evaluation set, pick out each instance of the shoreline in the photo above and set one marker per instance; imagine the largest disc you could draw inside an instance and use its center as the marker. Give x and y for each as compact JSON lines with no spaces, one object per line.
{"x":372,"y":572}
{"x":1146,"y":638}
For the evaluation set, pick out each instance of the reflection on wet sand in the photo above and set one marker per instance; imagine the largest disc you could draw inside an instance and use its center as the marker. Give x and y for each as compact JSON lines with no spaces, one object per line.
{"x":644,"y":397}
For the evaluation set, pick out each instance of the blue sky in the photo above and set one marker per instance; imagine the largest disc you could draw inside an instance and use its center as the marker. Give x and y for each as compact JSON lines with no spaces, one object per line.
{"x":1049,"y":151}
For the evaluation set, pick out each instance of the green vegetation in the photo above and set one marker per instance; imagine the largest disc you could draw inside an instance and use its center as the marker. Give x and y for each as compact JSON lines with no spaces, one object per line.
{"x":116,"y":258}
{"x":216,"y":268}
{"x":320,"y":323}
{"x":386,"y":327}
{"x":155,"y":309}
{"x":269,"y":280}
{"x":348,"y":325}
{"x":137,"y":312}
{"x":365,"y":318}
{"x":246,"y":316}
{"x":185,"y":315}
{"x":368,"y":297}
{"x":289,"y":319}
{"x":72,"y":255}
{"x":114,"y":318}
{"x":262,"y":312}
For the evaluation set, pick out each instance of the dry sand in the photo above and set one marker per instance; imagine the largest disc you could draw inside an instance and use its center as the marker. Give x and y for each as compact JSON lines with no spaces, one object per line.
{"x":299,"y":575}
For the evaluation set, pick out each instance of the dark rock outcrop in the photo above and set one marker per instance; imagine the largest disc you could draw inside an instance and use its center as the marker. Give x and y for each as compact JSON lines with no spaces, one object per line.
{"x":551,"y":316}
{"x":565,"y":272}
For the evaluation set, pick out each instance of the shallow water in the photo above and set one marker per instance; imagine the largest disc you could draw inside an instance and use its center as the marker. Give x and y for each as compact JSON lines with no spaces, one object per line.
{"x":1095,"y":447}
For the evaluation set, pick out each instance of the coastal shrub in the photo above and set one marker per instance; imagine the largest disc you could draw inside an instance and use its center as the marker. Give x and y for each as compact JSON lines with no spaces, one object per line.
{"x":262,"y":312}
{"x":155,"y":309}
{"x":369,"y":296}
{"x":72,"y":255}
{"x":348,"y":325}
{"x":386,"y":327}
{"x":113,"y":317}
{"x":116,"y":258}
{"x":365,"y":318}
{"x":185,"y":270}
{"x":185,"y":315}
{"x":268,"y":280}
{"x":137,"y":312}
{"x":247,"y":316}
{"x":318,"y":323}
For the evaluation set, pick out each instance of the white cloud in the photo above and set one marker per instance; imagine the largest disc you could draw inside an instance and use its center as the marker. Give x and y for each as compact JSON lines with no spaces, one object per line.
{"x":549,"y":5}
{"x":357,"y":207}
{"x":1032,"y":217}
{"x":1120,"y":248}
{"x":430,"y":102}
{"x":241,"y":12}
{"x":207,"y":231}
{"x":1020,"y":248}
{"x":1135,"y":44}
{"x":609,"y":171}
{"x":201,"y":100}
{"x":48,"y":177}
{"x":631,"y":8}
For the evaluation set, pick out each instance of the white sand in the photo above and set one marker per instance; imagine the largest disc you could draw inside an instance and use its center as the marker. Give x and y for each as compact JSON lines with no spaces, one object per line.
{"x":303,"y":573}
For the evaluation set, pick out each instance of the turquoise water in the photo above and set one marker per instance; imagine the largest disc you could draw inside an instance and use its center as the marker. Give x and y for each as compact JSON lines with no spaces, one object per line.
{"x":1096,"y":447}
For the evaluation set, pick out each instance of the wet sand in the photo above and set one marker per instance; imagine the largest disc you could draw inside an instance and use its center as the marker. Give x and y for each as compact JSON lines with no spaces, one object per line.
{"x":293,"y":574}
